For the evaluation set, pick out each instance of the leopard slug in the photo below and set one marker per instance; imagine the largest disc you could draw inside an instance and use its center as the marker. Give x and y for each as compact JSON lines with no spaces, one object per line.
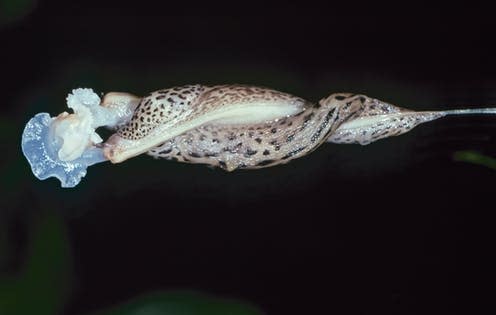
{"x":227,"y":126}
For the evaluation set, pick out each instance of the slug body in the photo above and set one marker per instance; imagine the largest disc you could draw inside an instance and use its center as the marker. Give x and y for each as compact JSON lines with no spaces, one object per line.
{"x":245,"y":127}
{"x":227,"y":126}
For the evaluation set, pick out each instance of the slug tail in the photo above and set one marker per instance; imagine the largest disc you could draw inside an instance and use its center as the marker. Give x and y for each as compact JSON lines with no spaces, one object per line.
{"x":367,"y":129}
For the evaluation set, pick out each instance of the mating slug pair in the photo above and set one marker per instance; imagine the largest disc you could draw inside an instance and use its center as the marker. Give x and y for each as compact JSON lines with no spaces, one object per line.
{"x":228,"y":126}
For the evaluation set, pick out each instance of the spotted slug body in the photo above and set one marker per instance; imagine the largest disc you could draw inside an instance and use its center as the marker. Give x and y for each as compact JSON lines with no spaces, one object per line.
{"x":246,"y":127}
{"x":227,"y":126}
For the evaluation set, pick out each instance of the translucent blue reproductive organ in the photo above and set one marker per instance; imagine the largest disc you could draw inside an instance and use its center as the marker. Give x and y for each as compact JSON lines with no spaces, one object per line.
{"x":64,"y":146}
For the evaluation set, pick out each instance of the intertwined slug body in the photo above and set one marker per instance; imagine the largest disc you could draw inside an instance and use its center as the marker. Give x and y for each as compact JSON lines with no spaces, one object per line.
{"x":247,"y":127}
{"x":227,"y":126}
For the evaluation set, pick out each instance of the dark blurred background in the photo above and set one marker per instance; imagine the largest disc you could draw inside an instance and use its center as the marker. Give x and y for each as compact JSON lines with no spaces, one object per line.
{"x":401,"y":226}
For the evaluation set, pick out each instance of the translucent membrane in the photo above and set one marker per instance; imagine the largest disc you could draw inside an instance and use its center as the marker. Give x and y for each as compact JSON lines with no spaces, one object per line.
{"x":64,"y":146}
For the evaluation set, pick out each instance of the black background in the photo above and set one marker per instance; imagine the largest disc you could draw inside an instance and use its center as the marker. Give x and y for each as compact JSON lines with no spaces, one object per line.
{"x":393,"y":227}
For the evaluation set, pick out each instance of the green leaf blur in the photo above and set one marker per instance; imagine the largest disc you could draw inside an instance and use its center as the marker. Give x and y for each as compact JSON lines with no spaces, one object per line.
{"x":12,"y":10}
{"x":42,"y":285}
{"x":180,"y":303}
{"x":475,"y":158}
